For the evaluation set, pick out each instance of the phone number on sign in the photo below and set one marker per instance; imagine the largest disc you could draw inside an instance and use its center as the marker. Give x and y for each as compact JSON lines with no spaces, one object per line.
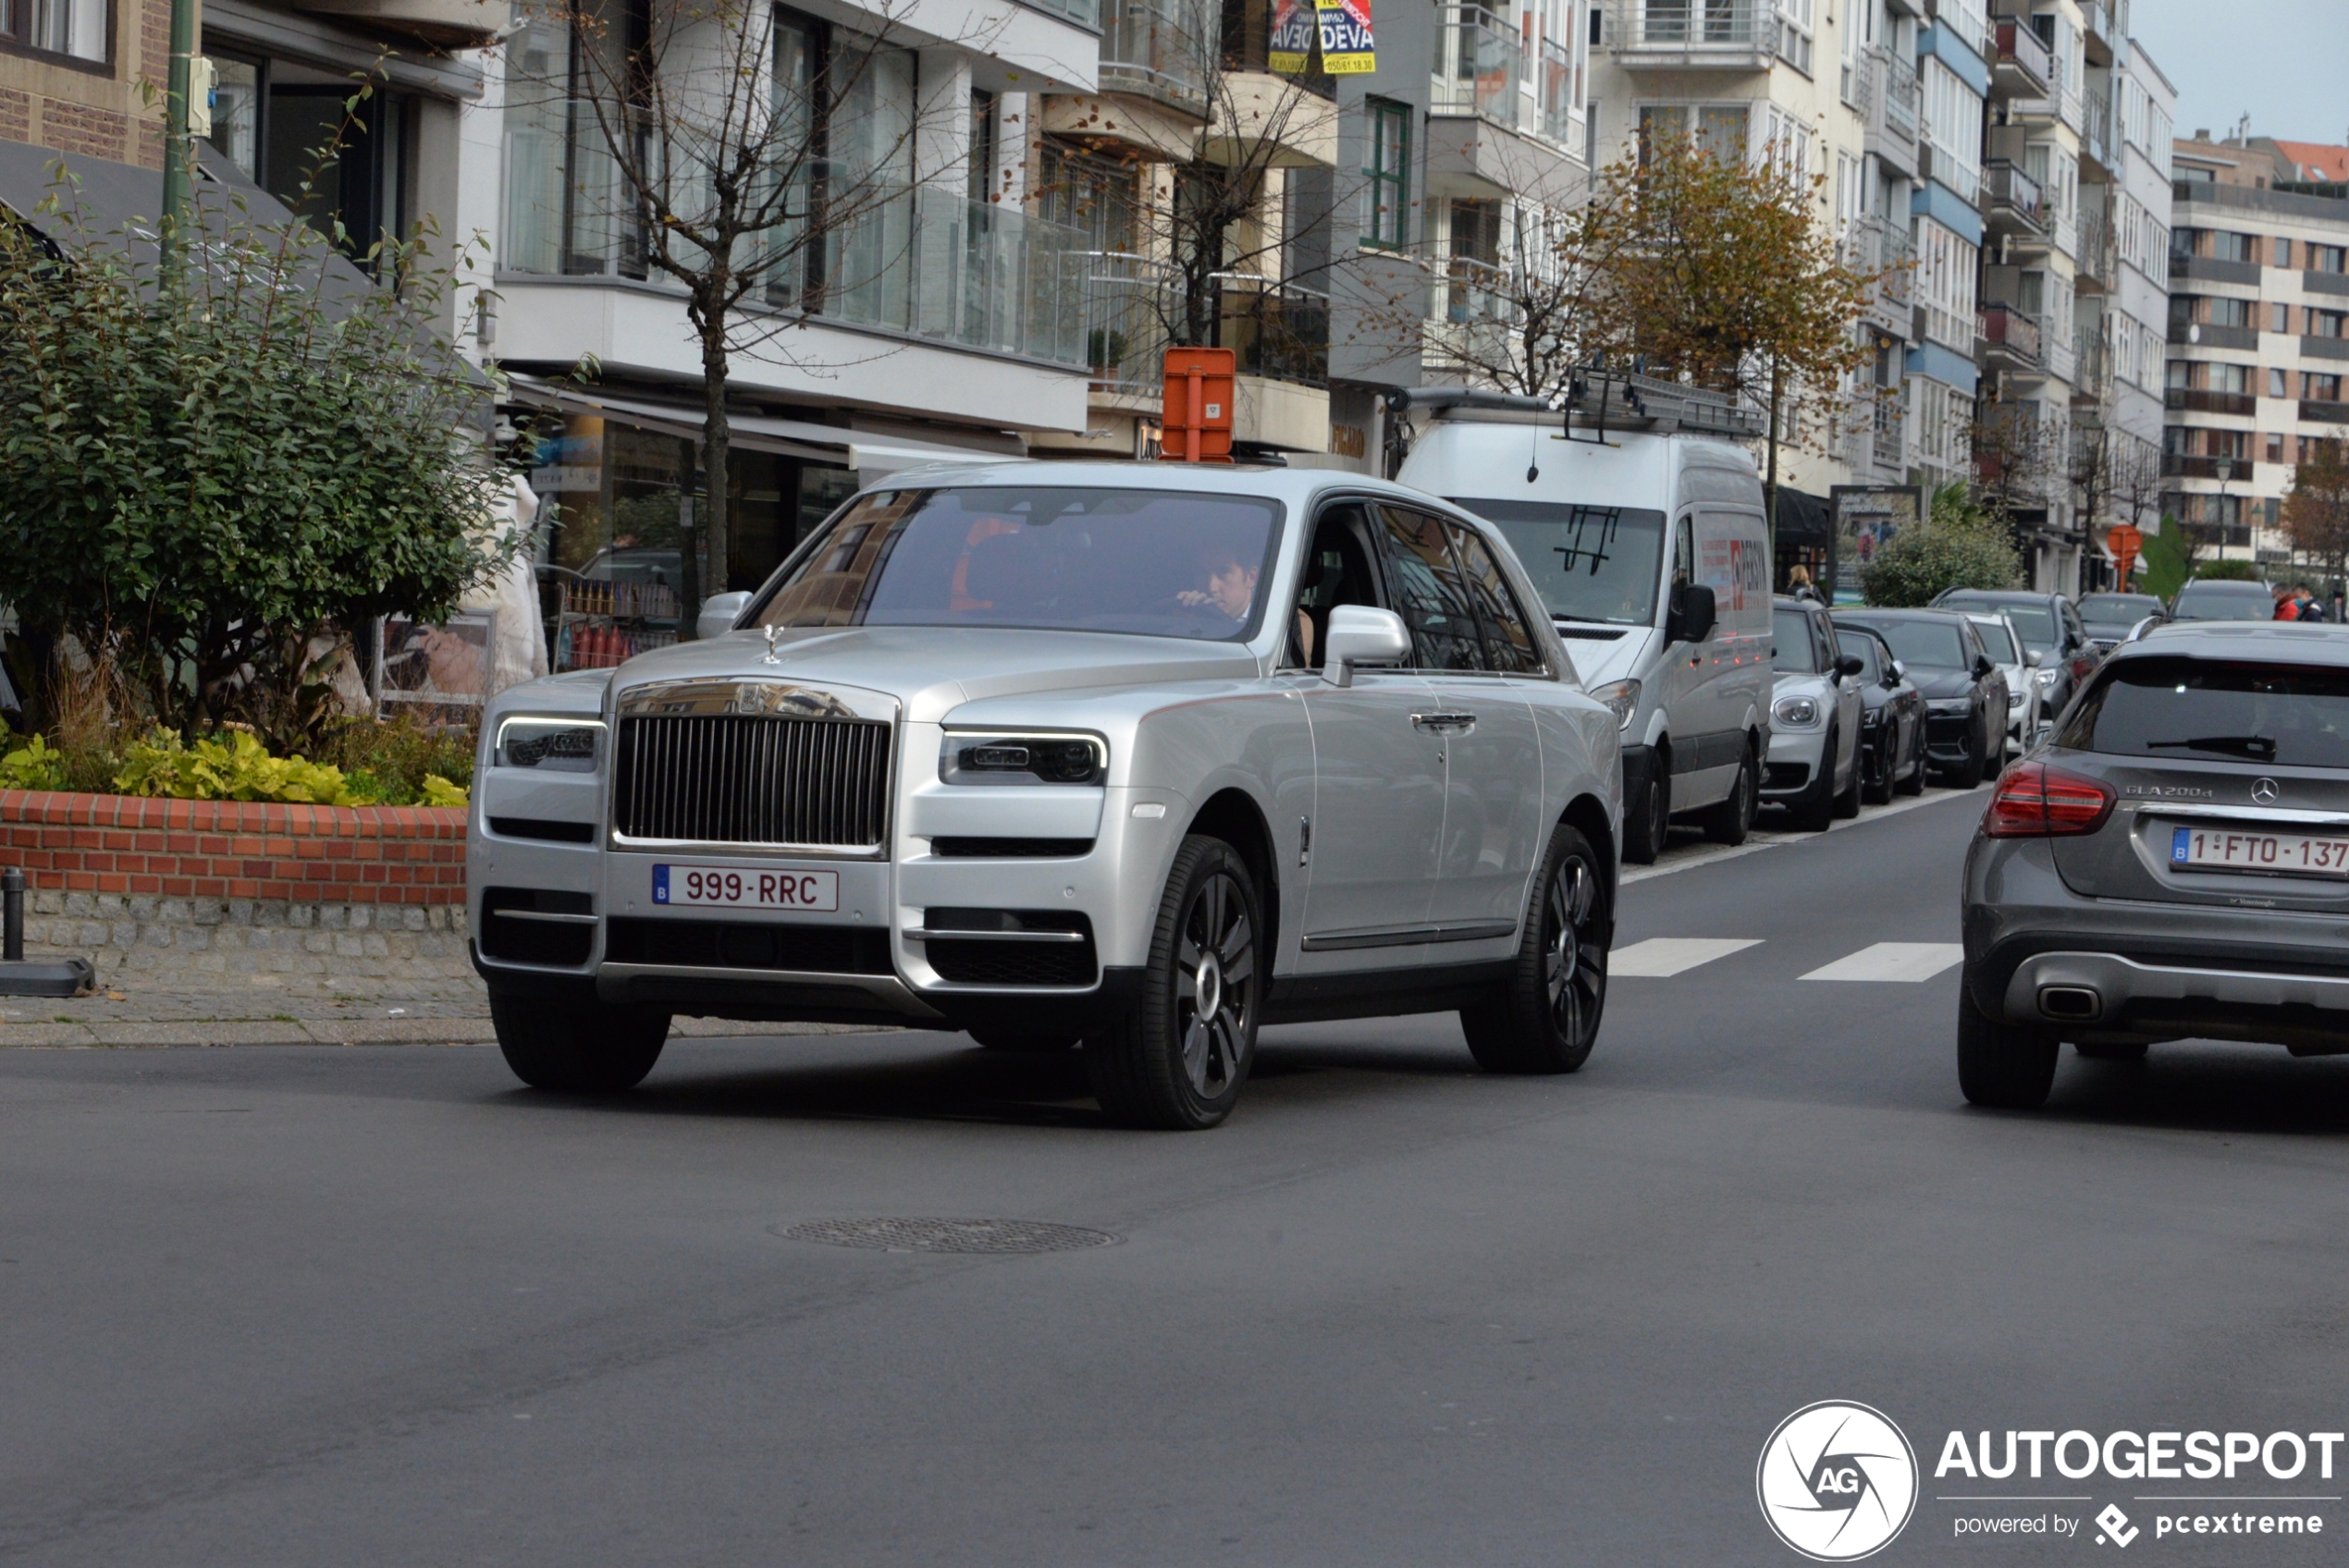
{"x":741,"y":889}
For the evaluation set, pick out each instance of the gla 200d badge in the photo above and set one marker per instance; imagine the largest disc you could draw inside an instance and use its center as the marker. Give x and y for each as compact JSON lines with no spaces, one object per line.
{"x":1838,"y":1481}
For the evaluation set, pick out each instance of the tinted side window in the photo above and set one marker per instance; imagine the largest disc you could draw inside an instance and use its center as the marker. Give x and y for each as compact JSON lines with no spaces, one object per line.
{"x":1425,"y":588}
{"x":1508,"y":647}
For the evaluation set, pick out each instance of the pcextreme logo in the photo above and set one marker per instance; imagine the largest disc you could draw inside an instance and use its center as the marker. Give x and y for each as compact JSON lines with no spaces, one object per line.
{"x":1838,"y":1481}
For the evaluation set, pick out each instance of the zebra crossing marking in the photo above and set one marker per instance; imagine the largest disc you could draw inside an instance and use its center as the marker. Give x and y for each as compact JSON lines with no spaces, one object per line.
{"x":1660,"y":958}
{"x":1904,"y":961}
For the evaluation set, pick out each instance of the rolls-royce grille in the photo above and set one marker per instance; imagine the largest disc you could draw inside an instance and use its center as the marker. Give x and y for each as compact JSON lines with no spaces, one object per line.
{"x":737,"y":779}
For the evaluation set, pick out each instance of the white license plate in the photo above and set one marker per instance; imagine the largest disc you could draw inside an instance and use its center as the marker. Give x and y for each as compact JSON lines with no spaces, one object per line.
{"x":2226,"y":849}
{"x":746,"y":886}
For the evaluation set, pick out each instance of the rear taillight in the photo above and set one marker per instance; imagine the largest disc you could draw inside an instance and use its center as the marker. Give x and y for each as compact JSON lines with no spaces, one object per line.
{"x":2034,"y":800}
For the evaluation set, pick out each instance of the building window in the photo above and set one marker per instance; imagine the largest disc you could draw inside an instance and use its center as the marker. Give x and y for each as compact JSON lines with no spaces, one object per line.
{"x":236,"y":89}
{"x":2321,"y":389}
{"x":2283,"y":254}
{"x":2328,"y":258}
{"x":2275,"y":448}
{"x":1389,"y":174}
{"x":79,"y":30}
{"x":2326,"y":324}
{"x":2279,"y":318}
{"x":1719,"y":129}
{"x":2276,"y":381}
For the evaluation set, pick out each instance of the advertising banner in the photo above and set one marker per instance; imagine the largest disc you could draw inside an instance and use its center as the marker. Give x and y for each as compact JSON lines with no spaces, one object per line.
{"x":1866,"y":516}
{"x":1346,"y":36}
{"x":1290,"y":52}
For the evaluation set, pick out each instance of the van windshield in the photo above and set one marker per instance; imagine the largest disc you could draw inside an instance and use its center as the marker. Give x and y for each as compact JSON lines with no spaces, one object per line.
{"x":1591,"y":563}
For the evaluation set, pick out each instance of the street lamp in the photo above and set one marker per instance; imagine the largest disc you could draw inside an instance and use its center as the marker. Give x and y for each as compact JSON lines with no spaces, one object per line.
{"x":2225,"y":468}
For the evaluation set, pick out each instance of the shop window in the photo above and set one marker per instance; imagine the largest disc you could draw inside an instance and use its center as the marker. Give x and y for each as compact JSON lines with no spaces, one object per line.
{"x":334,"y":161}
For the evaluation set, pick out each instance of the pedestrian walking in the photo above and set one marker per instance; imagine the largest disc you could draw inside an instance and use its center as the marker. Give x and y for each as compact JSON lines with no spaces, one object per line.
{"x":2285,"y":609}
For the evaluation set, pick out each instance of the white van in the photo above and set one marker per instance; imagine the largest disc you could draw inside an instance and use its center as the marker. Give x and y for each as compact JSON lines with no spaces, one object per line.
{"x":1647,"y":540}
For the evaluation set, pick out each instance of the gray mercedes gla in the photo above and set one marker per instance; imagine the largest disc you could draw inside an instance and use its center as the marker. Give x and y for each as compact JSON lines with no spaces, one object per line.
{"x":1143,"y":756}
{"x":2173,"y":864}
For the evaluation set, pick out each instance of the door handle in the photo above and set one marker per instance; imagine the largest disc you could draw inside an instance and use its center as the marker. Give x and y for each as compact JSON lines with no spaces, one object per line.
{"x":1462,"y":722}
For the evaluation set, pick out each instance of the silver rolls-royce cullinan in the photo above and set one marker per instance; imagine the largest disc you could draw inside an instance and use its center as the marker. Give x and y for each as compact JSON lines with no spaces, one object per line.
{"x":1138,"y":757}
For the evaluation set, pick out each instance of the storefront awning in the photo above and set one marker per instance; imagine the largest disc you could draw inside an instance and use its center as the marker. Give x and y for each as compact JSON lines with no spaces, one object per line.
{"x":870,"y":454}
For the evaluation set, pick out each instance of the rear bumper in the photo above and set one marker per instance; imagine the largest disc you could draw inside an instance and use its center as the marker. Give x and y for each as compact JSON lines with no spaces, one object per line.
{"x":2104,"y":995}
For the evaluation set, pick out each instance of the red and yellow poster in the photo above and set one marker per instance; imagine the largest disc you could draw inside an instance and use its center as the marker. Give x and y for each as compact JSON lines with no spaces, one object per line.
{"x":1290,"y":51}
{"x":1341,"y":27}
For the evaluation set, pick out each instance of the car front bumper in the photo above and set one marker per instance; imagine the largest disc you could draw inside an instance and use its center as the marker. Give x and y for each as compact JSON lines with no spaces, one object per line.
{"x":1796,"y":756}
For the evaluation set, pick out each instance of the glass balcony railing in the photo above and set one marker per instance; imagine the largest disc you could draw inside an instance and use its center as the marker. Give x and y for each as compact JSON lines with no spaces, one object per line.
{"x":1678,"y":24}
{"x":2007,"y":328}
{"x":1157,"y":49}
{"x":1127,"y":304}
{"x":1561,"y":105}
{"x":1478,"y":64}
{"x":1902,"y":97}
{"x":1084,"y":13}
{"x":1126,"y":310}
{"x":920,"y":260}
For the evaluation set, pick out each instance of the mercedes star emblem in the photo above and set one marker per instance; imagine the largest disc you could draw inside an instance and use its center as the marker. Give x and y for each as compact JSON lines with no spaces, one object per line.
{"x":2265,"y":791}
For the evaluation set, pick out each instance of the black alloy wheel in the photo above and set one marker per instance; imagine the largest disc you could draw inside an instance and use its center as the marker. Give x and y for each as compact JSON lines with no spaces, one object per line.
{"x":1179,"y":1057}
{"x":1545,"y":1018}
{"x":1814,"y":808}
{"x":1913,"y":782}
{"x":1967,"y":772}
{"x":1883,"y":763}
{"x":1649,"y":822}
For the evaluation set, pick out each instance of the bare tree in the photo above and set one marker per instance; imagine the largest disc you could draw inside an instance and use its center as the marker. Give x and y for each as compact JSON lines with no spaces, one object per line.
{"x":762,"y":166}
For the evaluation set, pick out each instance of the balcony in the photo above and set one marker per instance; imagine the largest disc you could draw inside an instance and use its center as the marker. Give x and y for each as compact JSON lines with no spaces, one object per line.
{"x":2194,"y":399}
{"x":2324,"y":412}
{"x":922,"y":262}
{"x":2094,"y":256}
{"x":2209,"y":269}
{"x":2012,"y":200}
{"x":2092,"y":365}
{"x":2096,"y":145}
{"x":1883,"y":90}
{"x":1888,"y":445}
{"x":1680,"y":35}
{"x":1561,"y":106}
{"x":1125,"y":323}
{"x":443,"y":24}
{"x":1875,"y":245}
{"x":2099,"y":33}
{"x":2023,"y":67}
{"x":1157,"y":49}
{"x":2011,"y":339}
{"x":2179,"y":465}
{"x":1479,"y":66}
{"x":1277,"y":331}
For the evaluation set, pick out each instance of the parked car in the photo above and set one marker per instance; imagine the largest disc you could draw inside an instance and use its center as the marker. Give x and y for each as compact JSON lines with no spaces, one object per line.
{"x":2004,"y":645}
{"x":2223,"y":599}
{"x":2051,"y":628}
{"x":1131,"y":754}
{"x":2173,"y":865}
{"x":1815,"y":715}
{"x":2110,"y":617}
{"x":1965,"y":697}
{"x":1615,"y":536}
{"x":1892,"y":727}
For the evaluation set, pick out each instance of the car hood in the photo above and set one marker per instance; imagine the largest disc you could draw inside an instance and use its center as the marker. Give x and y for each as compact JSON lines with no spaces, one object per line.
{"x":932,"y":670}
{"x":1598,"y":660}
{"x":1942,"y":682}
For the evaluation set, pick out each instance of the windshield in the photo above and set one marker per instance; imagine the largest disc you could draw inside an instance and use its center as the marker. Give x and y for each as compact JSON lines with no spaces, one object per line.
{"x":1996,"y":642}
{"x":1930,"y":644}
{"x":2122,"y":610}
{"x":1589,"y":563}
{"x":1860,"y":646}
{"x":2225,"y":603}
{"x":2184,"y":708}
{"x":1159,"y":562}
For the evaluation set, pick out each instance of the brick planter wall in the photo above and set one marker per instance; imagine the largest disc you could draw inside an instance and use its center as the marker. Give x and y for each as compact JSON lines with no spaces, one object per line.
{"x":207,"y":895}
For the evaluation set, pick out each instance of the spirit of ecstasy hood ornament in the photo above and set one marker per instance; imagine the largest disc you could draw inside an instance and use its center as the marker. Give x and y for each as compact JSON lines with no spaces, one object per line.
{"x":774,"y":638}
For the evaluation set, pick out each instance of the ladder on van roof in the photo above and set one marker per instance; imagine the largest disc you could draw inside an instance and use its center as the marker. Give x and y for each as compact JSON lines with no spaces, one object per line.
{"x":1596,"y":401}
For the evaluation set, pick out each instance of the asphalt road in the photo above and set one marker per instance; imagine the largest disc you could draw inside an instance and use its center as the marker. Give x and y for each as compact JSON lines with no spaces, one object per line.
{"x":304,"y":1305}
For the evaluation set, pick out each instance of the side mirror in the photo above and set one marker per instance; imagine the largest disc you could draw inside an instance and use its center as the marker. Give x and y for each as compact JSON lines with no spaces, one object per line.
{"x":1360,"y":634}
{"x":2036,"y":658}
{"x":1900,"y":670}
{"x":1691,"y":616}
{"x":718,"y":613}
{"x":1982,"y":666}
{"x":1848,"y":665}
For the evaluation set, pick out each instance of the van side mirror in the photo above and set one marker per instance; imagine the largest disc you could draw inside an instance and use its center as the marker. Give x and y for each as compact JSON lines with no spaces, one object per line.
{"x":718,"y":613}
{"x":1690,"y":614}
{"x":1361,"y":634}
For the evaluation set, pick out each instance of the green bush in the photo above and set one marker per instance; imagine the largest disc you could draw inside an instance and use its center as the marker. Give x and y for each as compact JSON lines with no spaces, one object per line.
{"x":1958,"y":547}
{"x":238,"y":767}
{"x":2164,"y":554}
{"x":2226,"y":571}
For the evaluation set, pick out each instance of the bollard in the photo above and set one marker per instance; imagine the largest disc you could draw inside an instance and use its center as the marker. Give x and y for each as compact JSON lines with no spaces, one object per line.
{"x":12,"y":914}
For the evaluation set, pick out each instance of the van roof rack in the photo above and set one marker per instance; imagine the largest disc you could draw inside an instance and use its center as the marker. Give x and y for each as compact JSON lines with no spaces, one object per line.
{"x":1597,"y":400}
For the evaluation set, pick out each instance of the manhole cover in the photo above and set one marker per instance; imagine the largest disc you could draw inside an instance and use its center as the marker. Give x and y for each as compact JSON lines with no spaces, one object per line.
{"x":948,"y":1235}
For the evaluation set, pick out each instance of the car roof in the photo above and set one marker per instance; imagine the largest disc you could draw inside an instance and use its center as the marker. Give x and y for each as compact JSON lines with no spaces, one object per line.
{"x":1291,"y":484}
{"x":2284,"y":642}
{"x":1996,"y":597}
{"x":1874,"y":614}
{"x":2227,"y":585}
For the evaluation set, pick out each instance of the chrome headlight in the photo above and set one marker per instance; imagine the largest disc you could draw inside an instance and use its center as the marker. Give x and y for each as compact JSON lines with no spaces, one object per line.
{"x":1621,"y":698}
{"x":1022,"y":759}
{"x":2016,"y":698}
{"x":2045,"y":677}
{"x":1795,"y":712}
{"x":550,"y":745}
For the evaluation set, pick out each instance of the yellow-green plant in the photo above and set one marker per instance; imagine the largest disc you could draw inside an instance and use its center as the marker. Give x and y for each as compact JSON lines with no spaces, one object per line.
{"x":438,"y":791}
{"x":36,"y":764}
{"x":242,"y":769}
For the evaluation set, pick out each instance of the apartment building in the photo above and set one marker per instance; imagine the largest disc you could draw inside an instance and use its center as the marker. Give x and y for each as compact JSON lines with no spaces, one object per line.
{"x":2258,"y":331}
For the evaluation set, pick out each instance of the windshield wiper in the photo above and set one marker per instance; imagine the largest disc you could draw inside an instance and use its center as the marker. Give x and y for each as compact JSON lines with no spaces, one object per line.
{"x":2256,"y":746}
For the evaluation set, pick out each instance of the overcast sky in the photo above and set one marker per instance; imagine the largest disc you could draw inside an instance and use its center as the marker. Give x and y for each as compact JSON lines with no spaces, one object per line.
{"x":2285,"y":63}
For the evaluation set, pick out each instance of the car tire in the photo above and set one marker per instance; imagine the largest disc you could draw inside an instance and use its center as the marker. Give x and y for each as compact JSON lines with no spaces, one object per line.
{"x":1914,"y":783}
{"x":1732,"y":819}
{"x":1166,"y":1064}
{"x":2111,"y":1053}
{"x":1545,"y":1018}
{"x":1999,"y":1064}
{"x":1814,"y":808}
{"x":578,"y":1047}
{"x":1877,"y":792}
{"x":1016,"y":1042}
{"x":1847,"y":803}
{"x":1649,"y":823}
